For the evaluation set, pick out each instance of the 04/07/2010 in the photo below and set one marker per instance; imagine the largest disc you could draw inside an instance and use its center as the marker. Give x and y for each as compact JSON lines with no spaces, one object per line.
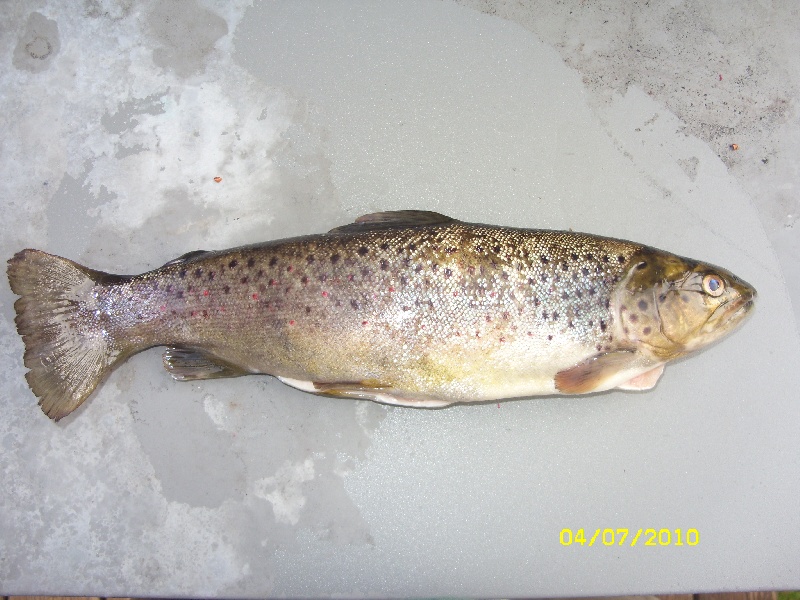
{"x":619,"y":537}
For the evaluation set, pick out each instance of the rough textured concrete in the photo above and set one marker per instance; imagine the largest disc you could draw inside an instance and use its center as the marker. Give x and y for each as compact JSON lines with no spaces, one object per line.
{"x":606,"y":117}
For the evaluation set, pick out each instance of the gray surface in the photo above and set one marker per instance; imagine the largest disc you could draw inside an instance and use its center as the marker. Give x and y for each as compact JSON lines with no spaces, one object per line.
{"x":556,"y":116}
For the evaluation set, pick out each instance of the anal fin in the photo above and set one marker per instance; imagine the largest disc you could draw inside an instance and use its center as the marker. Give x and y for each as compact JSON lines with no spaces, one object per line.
{"x":364,"y":390}
{"x":189,"y":364}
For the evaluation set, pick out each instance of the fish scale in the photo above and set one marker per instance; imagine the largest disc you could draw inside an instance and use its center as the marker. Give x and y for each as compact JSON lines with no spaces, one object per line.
{"x":409,"y":308}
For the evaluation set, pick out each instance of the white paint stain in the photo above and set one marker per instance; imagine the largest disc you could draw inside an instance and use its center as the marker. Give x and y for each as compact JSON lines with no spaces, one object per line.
{"x":286,"y":495}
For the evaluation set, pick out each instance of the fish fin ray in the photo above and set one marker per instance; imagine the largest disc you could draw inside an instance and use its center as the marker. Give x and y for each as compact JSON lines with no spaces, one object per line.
{"x":394,"y":219}
{"x":190,"y":364}
{"x":645,"y":381}
{"x":590,"y":374}
{"x":364,"y":390}
{"x":67,"y":358}
{"x":186,"y":257}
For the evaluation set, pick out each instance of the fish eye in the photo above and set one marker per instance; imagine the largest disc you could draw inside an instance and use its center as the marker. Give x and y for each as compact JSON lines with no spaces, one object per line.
{"x":713,"y":285}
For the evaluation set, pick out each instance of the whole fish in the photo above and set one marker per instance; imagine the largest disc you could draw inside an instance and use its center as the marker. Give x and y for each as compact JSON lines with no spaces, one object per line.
{"x":410,"y":308}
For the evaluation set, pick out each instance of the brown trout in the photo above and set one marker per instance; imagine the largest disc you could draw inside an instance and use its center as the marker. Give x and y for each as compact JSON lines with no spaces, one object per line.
{"x":410,"y":308}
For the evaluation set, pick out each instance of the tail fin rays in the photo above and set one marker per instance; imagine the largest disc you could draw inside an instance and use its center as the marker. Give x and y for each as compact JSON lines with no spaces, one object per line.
{"x":67,"y":350}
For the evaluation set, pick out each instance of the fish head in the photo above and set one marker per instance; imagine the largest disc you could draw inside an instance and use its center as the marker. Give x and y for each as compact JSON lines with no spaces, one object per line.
{"x":673,"y":306}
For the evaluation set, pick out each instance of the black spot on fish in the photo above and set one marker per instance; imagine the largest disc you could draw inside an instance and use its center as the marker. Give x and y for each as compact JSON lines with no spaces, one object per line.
{"x":536,"y":301}
{"x":434,"y":267}
{"x":335,"y":258}
{"x":555,"y":316}
{"x":479,"y":249}
{"x":310,"y":258}
{"x":451,"y":250}
{"x":605,"y":258}
{"x":182,"y":273}
{"x":573,"y":256}
{"x":447,"y":272}
{"x":607,"y":303}
{"x":273,"y":261}
{"x":323,"y":278}
{"x":564,"y":267}
{"x":543,"y":276}
{"x":179,"y":294}
{"x":308,"y":309}
{"x":602,"y":325}
{"x":530,"y":280}
{"x":585,"y":271}
{"x":211,"y":275}
{"x":412,"y":247}
{"x":564,"y":296}
{"x":504,"y":275}
{"x":642,"y":305}
{"x":634,"y":317}
{"x":545,"y":316}
{"x":198,"y":272}
{"x":233,"y":263}
{"x":549,"y":337}
{"x":384,"y":264}
{"x":260,"y":273}
{"x":384,"y":246}
{"x":544,"y":260}
{"x":363,"y":250}
{"x":620,"y":259}
{"x":662,"y":297}
{"x":251,"y":262}
{"x":304,"y":279}
{"x":579,"y":293}
{"x":646,"y":331}
{"x":590,"y":256}
{"x":244,"y":279}
{"x":403,"y":280}
{"x":570,"y":324}
{"x":354,"y":304}
{"x":592,"y":291}
{"x":365,"y":272}
{"x":169,"y":288}
{"x":418,"y":268}
{"x":496,"y":249}
{"x":226,"y":289}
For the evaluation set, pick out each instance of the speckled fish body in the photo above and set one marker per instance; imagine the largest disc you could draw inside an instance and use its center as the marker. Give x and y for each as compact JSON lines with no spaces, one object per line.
{"x":407,"y":308}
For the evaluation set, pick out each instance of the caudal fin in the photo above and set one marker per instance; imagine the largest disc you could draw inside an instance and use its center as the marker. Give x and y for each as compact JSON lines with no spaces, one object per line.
{"x":67,"y":351}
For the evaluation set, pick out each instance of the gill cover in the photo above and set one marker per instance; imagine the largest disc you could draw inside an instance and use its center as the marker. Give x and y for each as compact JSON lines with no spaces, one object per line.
{"x":673,"y":305}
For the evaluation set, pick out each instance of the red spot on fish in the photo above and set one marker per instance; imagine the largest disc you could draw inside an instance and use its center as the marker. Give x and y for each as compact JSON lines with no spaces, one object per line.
{"x":163,"y":307}
{"x":324,"y":294}
{"x":290,"y":268}
{"x":455,"y":293}
{"x":255,"y":296}
{"x":292,"y":322}
{"x":391,"y":289}
{"x":205,"y":292}
{"x":492,"y":294}
{"x":364,"y":322}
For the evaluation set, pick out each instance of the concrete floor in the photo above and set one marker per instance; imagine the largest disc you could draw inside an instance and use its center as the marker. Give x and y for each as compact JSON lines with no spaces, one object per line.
{"x":607,"y":117}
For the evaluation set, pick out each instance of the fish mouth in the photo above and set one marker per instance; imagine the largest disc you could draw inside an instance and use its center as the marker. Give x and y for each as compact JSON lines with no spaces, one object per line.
{"x":733,"y":311}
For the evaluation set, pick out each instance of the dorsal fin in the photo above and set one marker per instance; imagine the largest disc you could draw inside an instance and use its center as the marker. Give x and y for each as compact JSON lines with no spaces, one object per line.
{"x":394,"y":219}
{"x":186,"y":257}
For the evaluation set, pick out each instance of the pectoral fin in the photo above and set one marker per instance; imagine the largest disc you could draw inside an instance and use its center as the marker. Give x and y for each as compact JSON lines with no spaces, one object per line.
{"x":591,"y":374}
{"x":363,"y":390}
{"x":645,"y":381}
{"x":187,"y":364}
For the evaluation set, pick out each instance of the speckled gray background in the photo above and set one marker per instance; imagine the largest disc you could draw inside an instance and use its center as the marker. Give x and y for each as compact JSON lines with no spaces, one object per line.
{"x":606,"y":117}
